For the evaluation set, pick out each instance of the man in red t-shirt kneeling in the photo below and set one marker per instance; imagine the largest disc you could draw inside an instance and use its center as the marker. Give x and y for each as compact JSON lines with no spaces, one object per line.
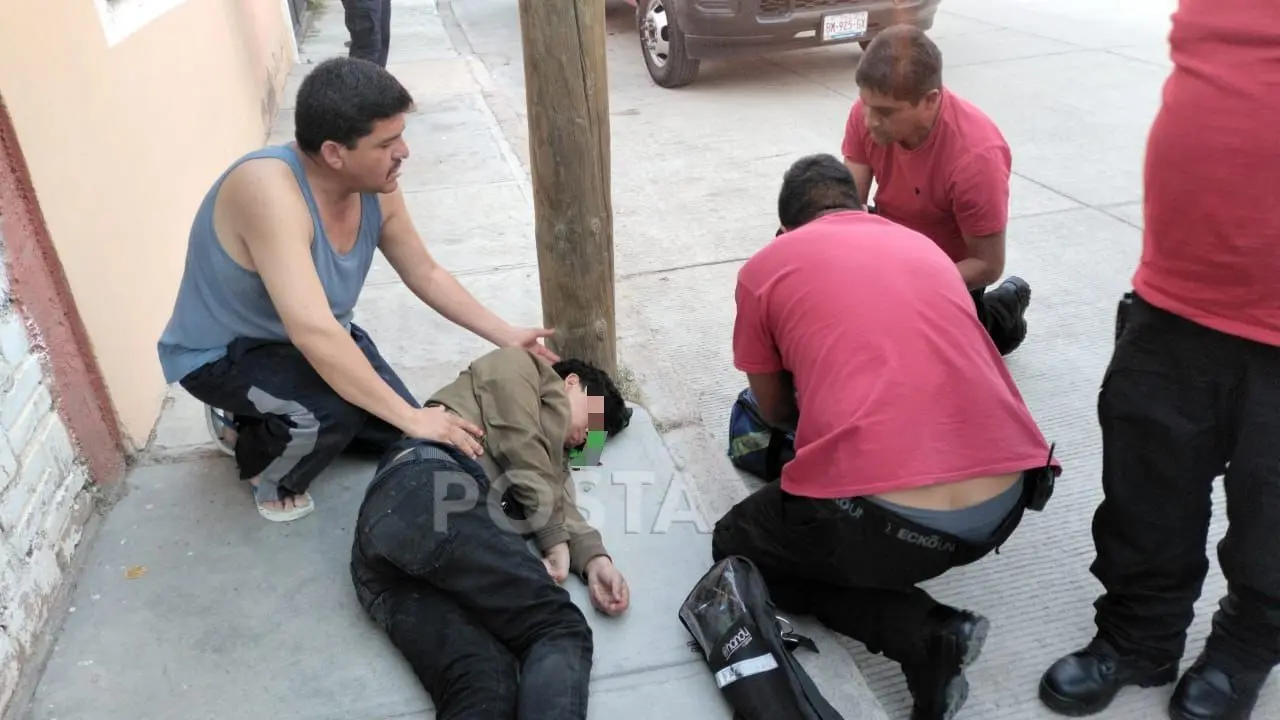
{"x":942,"y":168}
{"x":914,"y":450}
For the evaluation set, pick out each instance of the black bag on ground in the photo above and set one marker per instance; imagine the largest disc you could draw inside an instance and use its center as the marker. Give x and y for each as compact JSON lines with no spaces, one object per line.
{"x":735,"y":625}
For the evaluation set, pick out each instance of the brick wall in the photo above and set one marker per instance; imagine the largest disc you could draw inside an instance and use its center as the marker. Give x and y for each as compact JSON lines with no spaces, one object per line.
{"x":42,"y":504}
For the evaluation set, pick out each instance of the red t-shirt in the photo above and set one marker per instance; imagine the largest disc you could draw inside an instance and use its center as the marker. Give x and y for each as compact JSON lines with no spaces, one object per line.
{"x":1211,"y":245}
{"x":898,"y":384}
{"x":955,"y":184}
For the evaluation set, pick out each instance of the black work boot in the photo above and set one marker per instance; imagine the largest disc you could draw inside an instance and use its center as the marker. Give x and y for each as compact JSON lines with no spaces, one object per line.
{"x":938,"y":684}
{"x":1007,"y":304}
{"x":1086,"y":681}
{"x":1211,"y":692}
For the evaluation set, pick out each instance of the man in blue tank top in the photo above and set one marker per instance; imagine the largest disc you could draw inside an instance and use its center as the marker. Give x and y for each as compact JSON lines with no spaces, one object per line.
{"x":278,"y":254}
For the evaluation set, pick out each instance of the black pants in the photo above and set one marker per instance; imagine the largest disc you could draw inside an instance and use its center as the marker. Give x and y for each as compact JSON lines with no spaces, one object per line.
{"x":487,"y":631}
{"x":852,"y":564}
{"x":290,"y":424}
{"x":369,"y":22}
{"x":1179,"y":405}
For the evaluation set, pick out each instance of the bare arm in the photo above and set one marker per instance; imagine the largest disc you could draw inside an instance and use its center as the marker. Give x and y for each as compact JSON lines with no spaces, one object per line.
{"x":985,"y":263}
{"x":862,"y":176}
{"x":267,"y":213}
{"x":433,"y":284}
{"x":776,"y":397}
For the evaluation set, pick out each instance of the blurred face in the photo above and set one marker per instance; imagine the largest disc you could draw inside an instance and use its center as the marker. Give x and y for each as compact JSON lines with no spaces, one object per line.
{"x":373,"y":165}
{"x":586,"y":412}
{"x":890,"y":120}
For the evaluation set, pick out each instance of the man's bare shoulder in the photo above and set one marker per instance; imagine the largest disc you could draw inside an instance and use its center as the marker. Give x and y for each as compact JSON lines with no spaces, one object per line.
{"x":261,"y":188}
{"x":261,"y":181}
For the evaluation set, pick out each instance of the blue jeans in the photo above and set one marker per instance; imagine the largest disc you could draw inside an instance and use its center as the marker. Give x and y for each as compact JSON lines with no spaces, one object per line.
{"x":487,"y":631}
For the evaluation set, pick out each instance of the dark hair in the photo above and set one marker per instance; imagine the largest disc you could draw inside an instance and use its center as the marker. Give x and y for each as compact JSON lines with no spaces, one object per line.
{"x":341,"y":99}
{"x":813,"y":185}
{"x":597,"y":382}
{"x":902,"y":63}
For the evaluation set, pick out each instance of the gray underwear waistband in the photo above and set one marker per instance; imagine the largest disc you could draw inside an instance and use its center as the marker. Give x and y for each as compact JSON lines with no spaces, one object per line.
{"x":973,"y":524}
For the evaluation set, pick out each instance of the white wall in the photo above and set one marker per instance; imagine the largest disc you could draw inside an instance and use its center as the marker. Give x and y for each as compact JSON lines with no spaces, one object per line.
{"x":42,"y":507}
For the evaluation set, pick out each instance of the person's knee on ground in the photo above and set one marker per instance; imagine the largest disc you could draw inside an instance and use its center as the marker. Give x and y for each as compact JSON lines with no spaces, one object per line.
{"x":300,"y":441}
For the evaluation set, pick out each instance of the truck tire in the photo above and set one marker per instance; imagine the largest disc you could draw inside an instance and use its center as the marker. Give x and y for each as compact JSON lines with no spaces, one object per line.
{"x":662,"y":44}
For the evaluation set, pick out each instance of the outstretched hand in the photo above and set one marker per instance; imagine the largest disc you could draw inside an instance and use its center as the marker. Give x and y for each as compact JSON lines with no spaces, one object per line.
{"x":609,"y":592}
{"x":528,"y":338}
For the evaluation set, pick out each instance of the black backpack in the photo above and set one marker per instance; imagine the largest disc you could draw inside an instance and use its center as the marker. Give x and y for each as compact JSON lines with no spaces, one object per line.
{"x":748,"y":647}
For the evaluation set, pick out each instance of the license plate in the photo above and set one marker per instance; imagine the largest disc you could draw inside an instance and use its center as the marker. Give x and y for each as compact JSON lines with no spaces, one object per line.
{"x":844,"y":26}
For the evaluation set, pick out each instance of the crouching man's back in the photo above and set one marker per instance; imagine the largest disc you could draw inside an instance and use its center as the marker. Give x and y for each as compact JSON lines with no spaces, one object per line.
{"x":915,"y":453}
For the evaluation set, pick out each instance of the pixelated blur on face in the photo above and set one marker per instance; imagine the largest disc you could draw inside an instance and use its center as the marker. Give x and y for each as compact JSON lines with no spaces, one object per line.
{"x":595,"y":410}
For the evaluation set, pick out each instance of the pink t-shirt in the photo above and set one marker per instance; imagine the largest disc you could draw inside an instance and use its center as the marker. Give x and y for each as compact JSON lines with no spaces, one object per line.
{"x":898,"y":384}
{"x":1211,"y":246}
{"x":955,"y":184}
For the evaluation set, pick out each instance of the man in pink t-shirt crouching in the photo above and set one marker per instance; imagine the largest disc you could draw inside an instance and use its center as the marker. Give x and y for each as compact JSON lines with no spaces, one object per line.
{"x":941,"y":168}
{"x":914,"y":450}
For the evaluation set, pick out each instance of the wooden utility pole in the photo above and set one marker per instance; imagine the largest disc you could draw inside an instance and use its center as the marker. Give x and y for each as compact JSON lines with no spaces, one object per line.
{"x":566,"y":86}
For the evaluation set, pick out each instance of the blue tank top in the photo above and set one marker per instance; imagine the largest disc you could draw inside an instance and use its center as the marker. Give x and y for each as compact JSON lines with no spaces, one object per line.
{"x":220,"y":301}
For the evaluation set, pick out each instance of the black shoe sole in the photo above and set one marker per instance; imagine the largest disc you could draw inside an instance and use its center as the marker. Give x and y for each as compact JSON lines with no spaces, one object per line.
{"x":964,"y":650}
{"x":1176,"y":713}
{"x":1073,"y":708}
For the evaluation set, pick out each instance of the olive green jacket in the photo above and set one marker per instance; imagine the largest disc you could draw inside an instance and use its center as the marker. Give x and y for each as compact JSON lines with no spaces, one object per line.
{"x":521,"y":404}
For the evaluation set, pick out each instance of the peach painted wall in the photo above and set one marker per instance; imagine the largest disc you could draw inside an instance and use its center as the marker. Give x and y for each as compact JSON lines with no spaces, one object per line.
{"x":123,"y":136}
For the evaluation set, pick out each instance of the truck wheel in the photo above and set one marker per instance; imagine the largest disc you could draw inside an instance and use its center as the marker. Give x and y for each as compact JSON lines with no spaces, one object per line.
{"x":663,"y":45}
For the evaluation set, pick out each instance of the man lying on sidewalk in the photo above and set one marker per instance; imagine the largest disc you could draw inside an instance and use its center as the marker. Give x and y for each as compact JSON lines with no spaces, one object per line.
{"x":278,"y":255}
{"x":914,"y":451}
{"x":530,"y":413}
{"x":438,"y":565}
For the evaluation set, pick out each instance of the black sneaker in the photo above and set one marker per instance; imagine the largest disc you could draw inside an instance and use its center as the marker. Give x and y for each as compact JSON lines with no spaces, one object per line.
{"x":938,"y":685}
{"x":1212,"y":692}
{"x":1086,"y":681}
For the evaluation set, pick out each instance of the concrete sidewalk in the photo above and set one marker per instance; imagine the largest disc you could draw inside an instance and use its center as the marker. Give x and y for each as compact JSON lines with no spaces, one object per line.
{"x":192,"y":607}
{"x":1074,"y":88}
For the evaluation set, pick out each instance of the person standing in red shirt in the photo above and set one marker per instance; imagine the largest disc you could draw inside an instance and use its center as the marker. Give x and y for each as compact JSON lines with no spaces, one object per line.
{"x":1192,"y":391}
{"x":942,"y":169}
{"x":914,"y":450}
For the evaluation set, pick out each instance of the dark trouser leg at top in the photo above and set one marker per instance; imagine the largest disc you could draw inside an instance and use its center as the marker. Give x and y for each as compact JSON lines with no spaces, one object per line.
{"x":1002,"y":312}
{"x":426,"y":542}
{"x":290,"y":424}
{"x":838,"y":564}
{"x":369,"y":22}
{"x":1177,"y":403}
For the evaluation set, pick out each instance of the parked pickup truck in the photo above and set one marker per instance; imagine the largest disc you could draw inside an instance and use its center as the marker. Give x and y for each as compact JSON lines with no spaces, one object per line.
{"x":676,"y":35}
